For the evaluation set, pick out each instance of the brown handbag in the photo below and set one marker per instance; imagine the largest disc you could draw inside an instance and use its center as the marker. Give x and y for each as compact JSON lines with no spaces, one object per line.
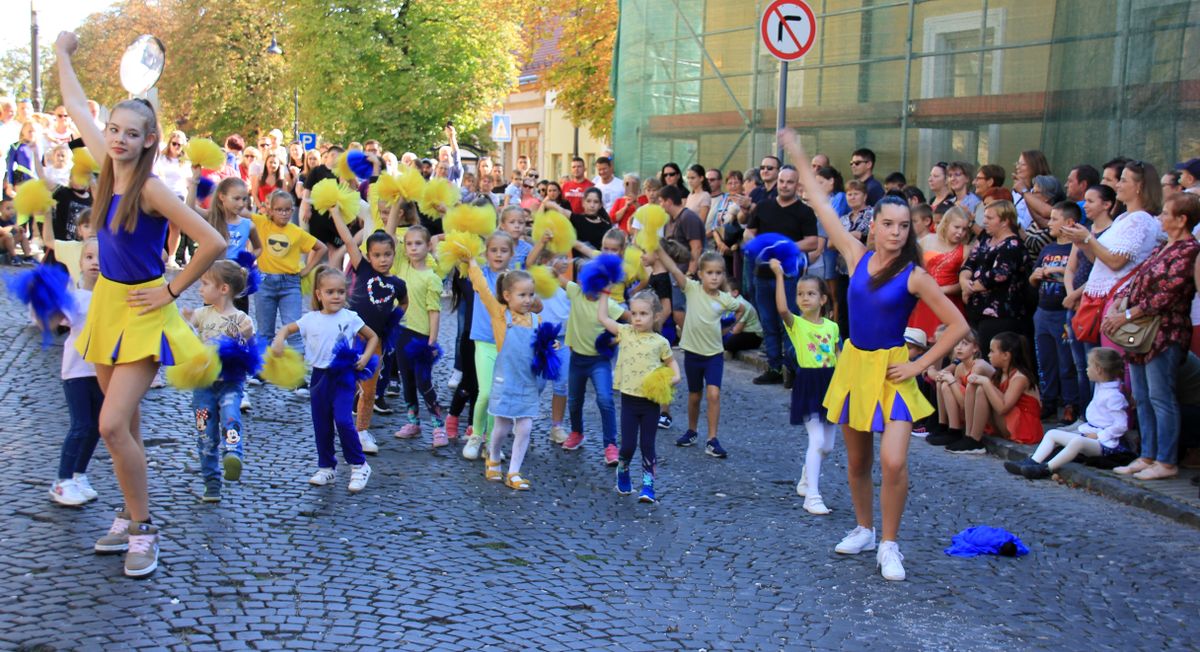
{"x":1086,"y":322}
{"x":1138,"y":335}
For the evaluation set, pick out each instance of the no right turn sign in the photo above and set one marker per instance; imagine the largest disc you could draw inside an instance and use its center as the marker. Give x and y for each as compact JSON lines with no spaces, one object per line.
{"x":788,"y":29}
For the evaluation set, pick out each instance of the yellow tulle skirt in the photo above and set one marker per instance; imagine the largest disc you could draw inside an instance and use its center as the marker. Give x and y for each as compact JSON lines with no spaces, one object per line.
{"x":861,"y":395}
{"x":115,"y":333}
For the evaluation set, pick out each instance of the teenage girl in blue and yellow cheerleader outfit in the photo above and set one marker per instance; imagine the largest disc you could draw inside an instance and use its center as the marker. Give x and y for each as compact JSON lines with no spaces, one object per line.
{"x":874,"y":386}
{"x":133,"y":324}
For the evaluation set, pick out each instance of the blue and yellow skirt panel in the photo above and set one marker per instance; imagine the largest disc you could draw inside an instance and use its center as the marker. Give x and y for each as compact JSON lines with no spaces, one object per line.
{"x":115,"y":333}
{"x":861,"y":396}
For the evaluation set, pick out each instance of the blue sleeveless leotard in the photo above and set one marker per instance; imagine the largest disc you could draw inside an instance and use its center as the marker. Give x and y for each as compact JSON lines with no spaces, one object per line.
{"x":879,"y":316}
{"x":132,"y":257}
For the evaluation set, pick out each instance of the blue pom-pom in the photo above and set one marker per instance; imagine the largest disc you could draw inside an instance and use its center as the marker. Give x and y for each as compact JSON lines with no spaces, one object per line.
{"x":204,"y":188}
{"x":47,"y":290}
{"x":391,"y":339}
{"x":601,"y":272}
{"x":986,"y":540}
{"x":545,"y":359}
{"x":240,"y":359}
{"x":345,"y":358}
{"x":606,"y":345}
{"x":249,"y":263}
{"x":728,"y":320}
{"x":359,"y":164}
{"x":423,"y":355}
{"x":776,"y":246}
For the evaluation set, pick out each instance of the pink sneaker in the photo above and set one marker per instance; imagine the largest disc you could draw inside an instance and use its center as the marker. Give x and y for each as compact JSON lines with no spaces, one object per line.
{"x":610,"y":455}
{"x":439,"y":438}
{"x":452,"y":427}
{"x":574,"y":441}
{"x":408,"y":431}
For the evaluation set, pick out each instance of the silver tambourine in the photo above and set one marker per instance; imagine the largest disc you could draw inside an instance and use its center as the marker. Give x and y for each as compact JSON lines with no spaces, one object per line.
{"x":142,"y":64}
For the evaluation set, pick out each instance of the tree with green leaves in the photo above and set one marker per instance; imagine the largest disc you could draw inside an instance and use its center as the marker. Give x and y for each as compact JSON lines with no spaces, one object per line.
{"x":586,"y":32}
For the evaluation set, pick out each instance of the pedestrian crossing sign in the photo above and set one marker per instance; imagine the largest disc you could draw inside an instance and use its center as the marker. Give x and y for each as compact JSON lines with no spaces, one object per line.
{"x":501,"y":128}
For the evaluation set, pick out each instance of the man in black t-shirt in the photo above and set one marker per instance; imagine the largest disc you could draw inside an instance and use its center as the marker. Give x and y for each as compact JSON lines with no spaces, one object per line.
{"x":318,"y":223}
{"x":70,"y":201}
{"x":787,"y":215}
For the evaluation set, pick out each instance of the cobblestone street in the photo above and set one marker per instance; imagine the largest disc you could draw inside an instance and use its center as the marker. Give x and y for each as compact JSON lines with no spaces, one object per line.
{"x":431,"y":556}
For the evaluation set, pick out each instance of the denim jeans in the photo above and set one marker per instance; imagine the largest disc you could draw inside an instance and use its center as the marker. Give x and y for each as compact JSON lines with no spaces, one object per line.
{"x":598,"y":369}
{"x":1079,"y":354}
{"x":1157,"y":406}
{"x":1056,"y":373}
{"x":773,"y":336}
{"x":278,"y":295}
{"x":218,"y":419}
{"x":84,"y":399}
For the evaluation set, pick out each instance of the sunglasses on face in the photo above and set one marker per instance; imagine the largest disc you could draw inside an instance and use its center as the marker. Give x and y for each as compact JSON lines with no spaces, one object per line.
{"x":670,"y":174}
{"x":858,"y":162}
{"x":60,"y":116}
{"x":767,"y":168}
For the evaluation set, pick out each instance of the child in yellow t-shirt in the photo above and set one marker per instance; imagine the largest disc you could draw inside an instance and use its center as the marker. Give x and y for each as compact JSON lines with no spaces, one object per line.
{"x":279,"y":294}
{"x":642,"y":351}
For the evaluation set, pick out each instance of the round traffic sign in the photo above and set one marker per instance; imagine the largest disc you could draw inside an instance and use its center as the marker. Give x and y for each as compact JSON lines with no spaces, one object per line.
{"x":788,"y":29}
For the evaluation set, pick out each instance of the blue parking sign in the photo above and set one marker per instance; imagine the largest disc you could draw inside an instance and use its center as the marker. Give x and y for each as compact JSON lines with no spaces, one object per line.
{"x":308,"y":139}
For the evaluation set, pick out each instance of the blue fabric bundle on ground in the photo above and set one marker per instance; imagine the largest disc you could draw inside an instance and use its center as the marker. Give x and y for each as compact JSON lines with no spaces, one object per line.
{"x":986,"y":540}
{"x":601,"y":272}
{"x":239,"y":358}
{"x":545,"y":359}
{"x":345,"y":357}
{"x":47,"y":290}
{"x":391,"y":339}
{"x":776,"y":246}
{"x":359,"y":164}
{"x":424,"y":355}
{"x":248,"y":262}
{"x":606,"y":345}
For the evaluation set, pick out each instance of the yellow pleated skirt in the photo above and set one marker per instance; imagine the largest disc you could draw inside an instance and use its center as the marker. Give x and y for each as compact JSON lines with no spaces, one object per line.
{"x":861,"y":395}
{"x":115,"y":333}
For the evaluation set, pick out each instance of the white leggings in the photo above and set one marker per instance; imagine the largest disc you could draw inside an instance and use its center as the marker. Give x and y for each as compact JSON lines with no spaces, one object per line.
{"x":1073,"y":445}
{"x":520,"y":430}
{"x":821,"y":436}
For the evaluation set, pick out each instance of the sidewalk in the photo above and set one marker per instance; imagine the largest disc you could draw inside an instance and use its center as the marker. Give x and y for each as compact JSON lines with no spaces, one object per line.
{"x":1176,"y":499}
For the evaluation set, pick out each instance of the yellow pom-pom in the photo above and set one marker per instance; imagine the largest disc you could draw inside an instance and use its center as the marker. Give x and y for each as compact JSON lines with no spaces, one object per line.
{"x":201,"y":371}
{"x":325,"y":195}
{"x":342,"y":169}
{"x":205,"y":153}
{"x":652,"y":217}
{"x":438,"y":191}
{"x":412,"y":184}
{"x":349,"y":201}
{"x":480,"y":220}
{"x":545,"y":282}
{"x":83,"y":166}
{"x":456,"y":248}
{"x":657,"y":386}
{"x":635,"y":271}
{"x":286,"y":371}
{"x":388,"y":187}
{"x":562,"y":232}
{"x":33,"y":198}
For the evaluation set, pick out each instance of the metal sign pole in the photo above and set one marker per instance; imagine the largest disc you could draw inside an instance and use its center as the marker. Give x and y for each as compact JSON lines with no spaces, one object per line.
{"x":781,"y":112}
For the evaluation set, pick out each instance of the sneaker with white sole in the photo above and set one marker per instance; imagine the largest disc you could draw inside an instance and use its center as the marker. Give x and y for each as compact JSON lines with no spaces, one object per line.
{"x":117,"y":539}
{"x":471,"y":449}
{"x":439,"y":437}
{"x":66,"y":492}
{"x":359,"y":474}
{"x":889,"y":560}
{"x":245,"y":403}
{"x":814,"y":505}
{"x":856,"y":541}
{"x":455,"y":379}
{"x":85,"y":486}
{"x":369,"y":446}
{"x":558,"y":435}
{"x":142,"y":557}
{"x":409,"y":431}
{"x":322,"y":477}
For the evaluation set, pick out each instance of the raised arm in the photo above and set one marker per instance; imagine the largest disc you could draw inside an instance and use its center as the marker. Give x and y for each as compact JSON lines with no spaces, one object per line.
{"x":74,"y":99}
{"x":677,"y":274}
{"x":781,"y":305}
{"x":847,"y":245}
{"x":343,"y":232}
{"x":607,"y":322}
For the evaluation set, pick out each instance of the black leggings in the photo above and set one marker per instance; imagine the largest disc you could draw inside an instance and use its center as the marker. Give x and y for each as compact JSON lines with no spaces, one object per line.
{"x":743,"y":341}
{"x":639,"y":426}
{"x":468,"y":387}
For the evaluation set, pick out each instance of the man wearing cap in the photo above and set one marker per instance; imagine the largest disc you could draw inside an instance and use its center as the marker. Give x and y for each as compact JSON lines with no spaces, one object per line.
{"x":917,"y":344}
{"x":1189,"y":175}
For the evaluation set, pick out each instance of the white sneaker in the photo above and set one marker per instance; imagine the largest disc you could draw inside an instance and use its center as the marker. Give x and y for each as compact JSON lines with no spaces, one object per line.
{"x":322,"y":477}
{"x":558,"y":435}
{"x":814,"y":505}
{"x":359,"y":473}
{"x":455,"y":379}
{"x":302,"y":392}
{"x":856,"y":541}
{"x":66,"y":492}
{"x":888,"y":558}
{"x":85,"y":487}
{"x":245,"y":403}
{"x":368,"y":442}
{"x":471,"y":450}
{"x":802,"y":486}
{"x":253,"y":381}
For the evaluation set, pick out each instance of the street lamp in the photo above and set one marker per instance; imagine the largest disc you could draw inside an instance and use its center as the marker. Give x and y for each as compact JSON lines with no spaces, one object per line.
{"x":274,"y":49}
